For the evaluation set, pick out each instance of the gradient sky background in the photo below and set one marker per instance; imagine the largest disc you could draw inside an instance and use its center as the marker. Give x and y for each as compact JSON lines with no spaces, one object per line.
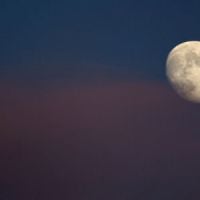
{"x":86,"y":112}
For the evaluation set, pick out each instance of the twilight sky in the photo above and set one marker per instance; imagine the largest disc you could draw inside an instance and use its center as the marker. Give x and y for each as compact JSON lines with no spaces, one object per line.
{"x":85,"y":109}
{"x":69,"y":39}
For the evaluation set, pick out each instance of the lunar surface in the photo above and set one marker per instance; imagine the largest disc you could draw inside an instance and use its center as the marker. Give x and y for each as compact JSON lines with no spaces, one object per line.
{"x":183,"y":70}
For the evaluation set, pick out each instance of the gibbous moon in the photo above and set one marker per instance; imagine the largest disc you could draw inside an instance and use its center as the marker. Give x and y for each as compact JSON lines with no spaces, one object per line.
{"x":183,"y":70}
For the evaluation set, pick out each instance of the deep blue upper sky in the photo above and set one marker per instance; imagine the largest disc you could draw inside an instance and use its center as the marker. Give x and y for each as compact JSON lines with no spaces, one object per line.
{"x":63,"y":39}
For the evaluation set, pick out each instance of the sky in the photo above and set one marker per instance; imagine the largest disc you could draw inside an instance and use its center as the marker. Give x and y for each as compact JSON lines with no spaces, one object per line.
{"x":72,"y":39}
{"x":86,"y":112}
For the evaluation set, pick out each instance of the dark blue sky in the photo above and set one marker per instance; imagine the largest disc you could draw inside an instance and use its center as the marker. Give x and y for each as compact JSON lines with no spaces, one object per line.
{"x":66,"y":39}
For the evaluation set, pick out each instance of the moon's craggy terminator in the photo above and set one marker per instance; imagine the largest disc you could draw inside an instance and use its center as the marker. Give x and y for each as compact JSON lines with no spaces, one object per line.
{"x":183,"y":70}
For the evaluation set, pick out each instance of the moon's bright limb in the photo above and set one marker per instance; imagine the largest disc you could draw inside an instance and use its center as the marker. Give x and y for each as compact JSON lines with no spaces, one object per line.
{"x":183,"y":70}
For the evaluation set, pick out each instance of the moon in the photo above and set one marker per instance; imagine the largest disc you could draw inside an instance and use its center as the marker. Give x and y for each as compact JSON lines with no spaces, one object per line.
{"x":183,"y":70}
